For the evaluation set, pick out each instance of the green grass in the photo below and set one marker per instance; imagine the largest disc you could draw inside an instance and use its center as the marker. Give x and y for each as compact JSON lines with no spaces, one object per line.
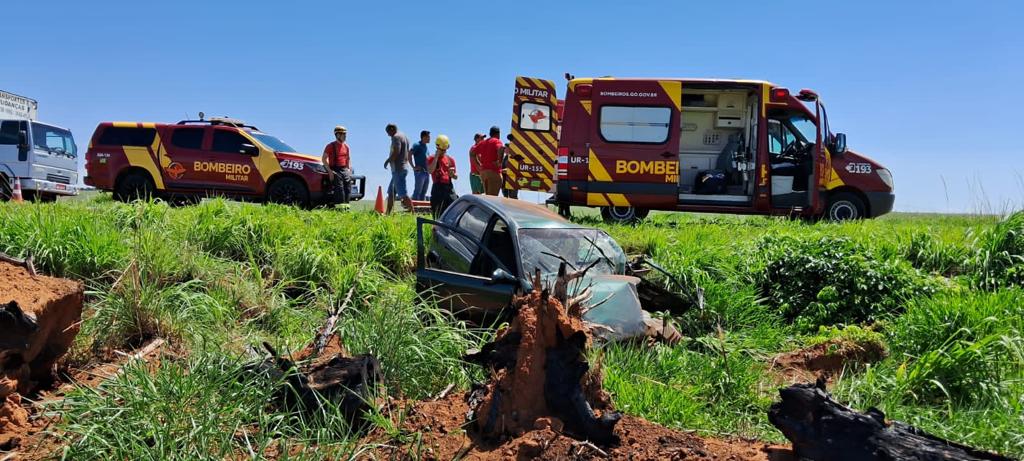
{"x":942,"y":293}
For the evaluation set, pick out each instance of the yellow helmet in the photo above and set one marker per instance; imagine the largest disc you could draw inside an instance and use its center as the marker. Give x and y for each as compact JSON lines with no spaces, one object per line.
{"x":442,"y":142}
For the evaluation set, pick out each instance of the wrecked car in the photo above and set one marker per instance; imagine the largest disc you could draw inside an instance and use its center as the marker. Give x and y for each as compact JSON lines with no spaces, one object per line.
{"x":484,"y":250}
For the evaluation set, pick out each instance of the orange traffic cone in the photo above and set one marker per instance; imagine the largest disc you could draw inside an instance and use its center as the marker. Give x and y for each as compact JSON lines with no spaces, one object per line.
{"x":379,"y":206}
{"x":16,"y":194}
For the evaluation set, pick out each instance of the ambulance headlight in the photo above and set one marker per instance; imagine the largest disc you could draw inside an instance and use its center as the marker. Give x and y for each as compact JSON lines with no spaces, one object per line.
{"x":886,"y":177}
{"x":318,"y":167}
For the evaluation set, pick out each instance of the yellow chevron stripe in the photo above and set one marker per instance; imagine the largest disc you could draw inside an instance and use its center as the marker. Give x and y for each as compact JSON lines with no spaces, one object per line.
{"x":618,"y":200}
{"x":597,"y":169}
{"x":764,"y":100}
{"x":674,"y":90}
{"x":141,"y":157}
{"x":597,"y":200}
{"x":586,"y":105}
{"x":549,"y":156}
{"x":834,"y":180}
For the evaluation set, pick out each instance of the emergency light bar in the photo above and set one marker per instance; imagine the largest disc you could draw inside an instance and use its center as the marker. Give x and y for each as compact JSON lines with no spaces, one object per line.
{"x":807,"y":95}
{"x":585,"y":90}
{"x":779,"y":94}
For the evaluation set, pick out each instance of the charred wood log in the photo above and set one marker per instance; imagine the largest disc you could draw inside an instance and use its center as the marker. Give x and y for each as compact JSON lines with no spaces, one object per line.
{"x":822,"y":429}
{"x":348,"y":382}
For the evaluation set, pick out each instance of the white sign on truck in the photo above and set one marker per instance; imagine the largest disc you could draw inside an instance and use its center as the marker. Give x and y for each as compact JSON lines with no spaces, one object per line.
{"x":13,"y":106}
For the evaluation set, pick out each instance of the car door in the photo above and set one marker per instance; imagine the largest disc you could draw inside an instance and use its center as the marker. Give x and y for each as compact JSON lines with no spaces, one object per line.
{"x":231,"y":161}
{"x":634,"y":150}
{"x":455,"y":266}
{"x":183,"y":158}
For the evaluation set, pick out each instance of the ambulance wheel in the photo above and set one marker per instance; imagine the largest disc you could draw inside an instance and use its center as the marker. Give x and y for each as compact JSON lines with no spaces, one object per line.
{"x":133,"y":186}
{"x":845,"y":206}
{"x":288,"y":191}
{"x":623,"y":214}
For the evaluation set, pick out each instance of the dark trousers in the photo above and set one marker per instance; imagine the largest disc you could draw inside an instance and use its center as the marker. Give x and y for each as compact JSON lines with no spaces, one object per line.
{"x":441,"y":195}
{"x":342,"y":184}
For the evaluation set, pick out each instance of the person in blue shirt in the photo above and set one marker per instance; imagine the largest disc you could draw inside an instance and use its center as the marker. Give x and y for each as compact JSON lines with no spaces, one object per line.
{"x":419,"y":166}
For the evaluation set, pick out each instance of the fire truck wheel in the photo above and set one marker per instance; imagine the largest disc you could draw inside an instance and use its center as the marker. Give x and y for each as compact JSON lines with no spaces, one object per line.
{"x":6,"y":191}
{"x":134,"y":186}
{"x":845,"y":206}
{"x":623,"y":214}
{"x":288,"y":191}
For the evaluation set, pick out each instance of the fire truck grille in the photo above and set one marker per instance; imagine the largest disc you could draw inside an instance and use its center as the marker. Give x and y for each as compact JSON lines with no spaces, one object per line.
{"x":58,"y":178}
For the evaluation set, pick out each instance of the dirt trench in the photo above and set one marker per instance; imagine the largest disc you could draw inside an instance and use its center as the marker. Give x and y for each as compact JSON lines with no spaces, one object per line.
{"x":39,"y":319}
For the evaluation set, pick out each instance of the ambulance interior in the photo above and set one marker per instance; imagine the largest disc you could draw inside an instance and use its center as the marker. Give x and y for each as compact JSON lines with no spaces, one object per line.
{"x":717,"y":146}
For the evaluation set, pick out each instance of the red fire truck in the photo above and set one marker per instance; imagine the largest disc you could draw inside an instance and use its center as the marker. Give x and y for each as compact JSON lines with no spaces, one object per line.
{"x":631,"y":145}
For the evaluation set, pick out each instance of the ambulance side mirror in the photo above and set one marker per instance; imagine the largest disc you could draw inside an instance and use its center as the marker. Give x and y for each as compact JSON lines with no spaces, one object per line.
{"x":840,"y":143}
{"x":249,"y":149}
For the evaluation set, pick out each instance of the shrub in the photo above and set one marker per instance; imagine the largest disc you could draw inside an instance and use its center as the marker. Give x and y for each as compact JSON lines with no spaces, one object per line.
{"x":831,"y":280}
{"x":927,"y":253}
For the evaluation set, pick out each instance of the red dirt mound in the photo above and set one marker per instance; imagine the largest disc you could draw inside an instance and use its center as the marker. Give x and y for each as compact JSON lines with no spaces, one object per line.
{"x":826,"y":359}
{"x":442,"y":430}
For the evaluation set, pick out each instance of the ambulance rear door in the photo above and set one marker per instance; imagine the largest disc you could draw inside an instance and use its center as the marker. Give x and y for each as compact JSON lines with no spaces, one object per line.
{"x":531,"y":160}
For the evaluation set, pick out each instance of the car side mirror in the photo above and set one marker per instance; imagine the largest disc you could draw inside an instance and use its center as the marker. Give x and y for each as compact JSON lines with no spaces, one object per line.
{"x":502,"y":276}
{"x":22,"y":140}
{"x":249,"y":149}
{"x":840,"y":144}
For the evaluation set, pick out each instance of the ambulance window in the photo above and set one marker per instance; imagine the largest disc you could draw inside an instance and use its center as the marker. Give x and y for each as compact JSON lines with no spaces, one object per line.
{"x":534,"y":117}
{"x":648,"y":125}
{"x":776,"y":141}
{"x":127,"y":136}
{"x":229,"y":142}
{"x":188,"y":138}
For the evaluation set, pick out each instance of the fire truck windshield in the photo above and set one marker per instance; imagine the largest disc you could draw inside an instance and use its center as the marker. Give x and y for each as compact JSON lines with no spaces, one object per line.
{"x":271,"y":142}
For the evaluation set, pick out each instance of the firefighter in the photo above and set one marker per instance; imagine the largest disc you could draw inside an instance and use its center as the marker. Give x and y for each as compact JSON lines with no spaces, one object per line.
{"x":336,"y":158}
{"x":506,"y":153}
{"x":442,"y":170}
{"x":488,"y":154}
{"x":475,"y":184}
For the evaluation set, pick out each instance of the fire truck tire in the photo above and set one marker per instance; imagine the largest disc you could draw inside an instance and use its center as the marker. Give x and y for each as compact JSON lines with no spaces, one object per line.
{"x":845,"y":206}
{"x":134,"y":185}
{"x":288,"y":191}
{"x":623,"y":214}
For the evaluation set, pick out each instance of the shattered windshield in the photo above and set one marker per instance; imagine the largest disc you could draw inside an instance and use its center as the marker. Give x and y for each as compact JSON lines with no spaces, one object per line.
{"x":545,"y":249}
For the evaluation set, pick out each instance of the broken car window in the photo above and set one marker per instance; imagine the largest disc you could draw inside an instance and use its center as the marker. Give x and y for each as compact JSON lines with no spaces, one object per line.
{"x":545,"y":249}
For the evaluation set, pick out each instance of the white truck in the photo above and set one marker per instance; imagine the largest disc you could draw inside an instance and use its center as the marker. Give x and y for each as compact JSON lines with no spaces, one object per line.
{"x":41,"y":157}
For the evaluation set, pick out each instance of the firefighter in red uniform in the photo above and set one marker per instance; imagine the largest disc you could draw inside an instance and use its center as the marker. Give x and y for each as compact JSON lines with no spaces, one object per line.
{"x":336,"y":158}
{"x":442,"y":170}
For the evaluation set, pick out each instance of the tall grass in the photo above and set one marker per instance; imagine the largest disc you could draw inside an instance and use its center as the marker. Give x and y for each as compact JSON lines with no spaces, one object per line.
{"x":219,"y":277}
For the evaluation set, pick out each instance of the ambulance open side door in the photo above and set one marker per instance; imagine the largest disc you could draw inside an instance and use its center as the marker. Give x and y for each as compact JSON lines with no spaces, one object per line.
{"x":531,"y":159}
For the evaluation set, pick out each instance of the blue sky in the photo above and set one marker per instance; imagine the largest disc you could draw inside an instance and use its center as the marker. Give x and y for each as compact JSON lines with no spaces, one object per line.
{"x":930,"y":89}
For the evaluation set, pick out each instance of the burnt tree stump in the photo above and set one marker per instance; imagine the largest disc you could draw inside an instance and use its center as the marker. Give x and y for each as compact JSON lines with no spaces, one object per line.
{"x":822,"y":429}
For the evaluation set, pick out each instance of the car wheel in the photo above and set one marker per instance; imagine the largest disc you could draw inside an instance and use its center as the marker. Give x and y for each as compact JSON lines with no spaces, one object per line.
{"x":845,"y":206}
{"x":623,"y":214}
{"x":288,"y":191}
{"x":134,"y":186}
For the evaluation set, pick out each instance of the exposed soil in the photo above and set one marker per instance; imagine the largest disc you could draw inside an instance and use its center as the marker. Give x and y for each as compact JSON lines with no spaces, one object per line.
{"x":438,"y":430}
{"x":39,"y":439}
{"x":826,"y":360}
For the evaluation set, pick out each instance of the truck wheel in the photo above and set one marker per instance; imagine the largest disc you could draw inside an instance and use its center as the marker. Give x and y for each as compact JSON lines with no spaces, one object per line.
{"x":623,"y":214}
{"x":845,"y":206}
{"x":6,"y":191}
{"x":288,"y":191}
{"x":134,"y":186}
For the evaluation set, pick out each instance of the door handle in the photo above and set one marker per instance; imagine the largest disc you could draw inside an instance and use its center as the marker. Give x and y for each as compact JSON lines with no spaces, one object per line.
{"x":668,"y":155}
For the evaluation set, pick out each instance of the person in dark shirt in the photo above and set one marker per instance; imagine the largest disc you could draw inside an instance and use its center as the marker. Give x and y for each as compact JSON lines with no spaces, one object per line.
{"x":442,"y":170}
{"x":421,"y":178}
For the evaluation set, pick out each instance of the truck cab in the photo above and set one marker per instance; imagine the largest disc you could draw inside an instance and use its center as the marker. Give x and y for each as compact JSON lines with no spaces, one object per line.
{"x":632,"y":145}
{"x":42,"y":158}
